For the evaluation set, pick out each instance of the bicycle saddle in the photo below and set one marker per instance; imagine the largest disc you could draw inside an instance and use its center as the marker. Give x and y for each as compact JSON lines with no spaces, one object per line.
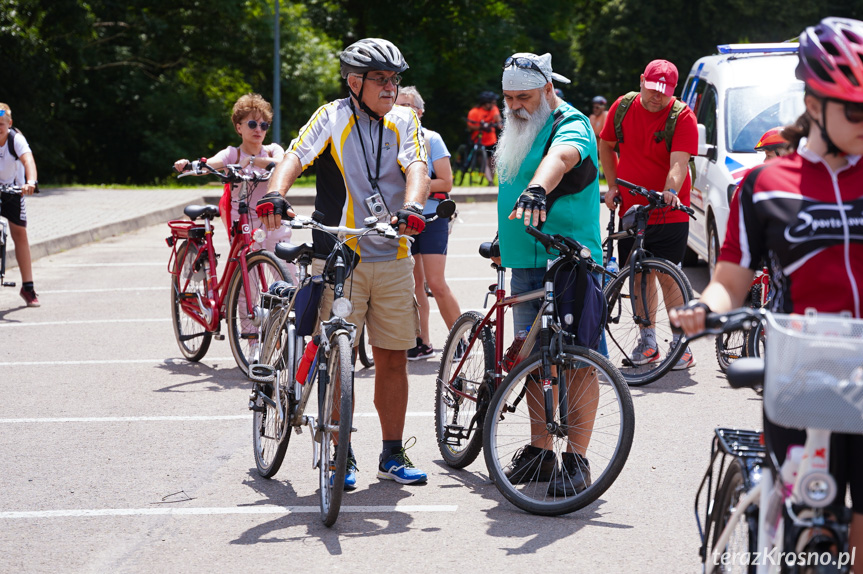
{"x":290,"y":252}
{"x":206,"y":211}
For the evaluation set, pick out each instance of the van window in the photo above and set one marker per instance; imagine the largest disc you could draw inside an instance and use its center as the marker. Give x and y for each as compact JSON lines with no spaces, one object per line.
{"x":707,"y":113}
{"x":753,"y":110}
{"x":693,"y":91}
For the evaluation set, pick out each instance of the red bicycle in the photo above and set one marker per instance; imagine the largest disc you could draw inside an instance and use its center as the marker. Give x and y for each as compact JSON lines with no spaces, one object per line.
{"x":199,"y":299}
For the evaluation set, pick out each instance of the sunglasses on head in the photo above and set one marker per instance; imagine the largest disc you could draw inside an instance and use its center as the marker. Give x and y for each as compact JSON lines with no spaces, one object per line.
{"x":2,"y":113}
{"x":524,"y":64}
{"x":853,"y":110}
{"x":253,"y":124}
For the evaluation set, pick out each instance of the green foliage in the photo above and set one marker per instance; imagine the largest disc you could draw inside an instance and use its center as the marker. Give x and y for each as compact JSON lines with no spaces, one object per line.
{"x":114,"y":92}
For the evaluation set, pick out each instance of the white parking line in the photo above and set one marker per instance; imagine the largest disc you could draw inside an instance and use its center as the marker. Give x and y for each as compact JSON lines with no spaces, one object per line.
{"x":210,"y":511}
{"x":108,"y":290}
{"x":167,"y":418}
{"x":81,"y":322}
{"x":109,"y":362}
{"x":128,"y":264}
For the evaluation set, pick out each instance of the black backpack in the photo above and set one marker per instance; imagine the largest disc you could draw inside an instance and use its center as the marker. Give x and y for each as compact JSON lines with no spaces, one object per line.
{"x":11,"y":142}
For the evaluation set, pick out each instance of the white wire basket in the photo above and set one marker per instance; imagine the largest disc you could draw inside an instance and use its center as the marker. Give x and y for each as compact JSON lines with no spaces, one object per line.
{"x":814,"y":372}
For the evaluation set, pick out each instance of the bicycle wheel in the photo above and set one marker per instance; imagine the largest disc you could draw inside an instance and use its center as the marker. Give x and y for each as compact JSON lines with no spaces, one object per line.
{"x":244,"y":329}
{"x":744,"y":538}
{"x":559,"y":471}
{"x":672,"y":289}
{"x":755,"y":341}
{"x":335,"y":417}
{"x":459,"y":419}
{"x":271,"y":432}
{"x":365,"y":351}
{"x":485,"y":167}
{"x":188,"y":283}
{"x":730,"y":347}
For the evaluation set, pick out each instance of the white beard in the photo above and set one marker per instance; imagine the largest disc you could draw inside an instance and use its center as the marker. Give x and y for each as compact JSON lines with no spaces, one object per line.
{"x":517,"y":137}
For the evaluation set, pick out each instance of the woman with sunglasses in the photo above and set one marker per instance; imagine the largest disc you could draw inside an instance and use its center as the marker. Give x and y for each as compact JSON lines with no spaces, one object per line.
{"x":251,"y":117}
{"x":803,"y":213}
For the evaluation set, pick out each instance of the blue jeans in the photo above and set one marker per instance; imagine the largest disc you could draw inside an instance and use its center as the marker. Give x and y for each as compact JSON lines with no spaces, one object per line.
{"x":523,"y":314}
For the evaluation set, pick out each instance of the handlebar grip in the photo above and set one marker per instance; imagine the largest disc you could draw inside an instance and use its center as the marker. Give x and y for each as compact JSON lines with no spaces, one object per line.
{"x":625,"y":183}
{"x":746,"y":373}
{"x":489,"y":249}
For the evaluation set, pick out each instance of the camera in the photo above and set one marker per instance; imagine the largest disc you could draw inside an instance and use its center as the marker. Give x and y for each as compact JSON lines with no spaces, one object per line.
{"x":377,"y":207}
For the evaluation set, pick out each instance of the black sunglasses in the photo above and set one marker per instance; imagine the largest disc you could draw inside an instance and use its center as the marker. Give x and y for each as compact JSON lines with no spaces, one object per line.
{"x":524,"y":64}
{"x":853,"y":110}
{"x":253,"y":124}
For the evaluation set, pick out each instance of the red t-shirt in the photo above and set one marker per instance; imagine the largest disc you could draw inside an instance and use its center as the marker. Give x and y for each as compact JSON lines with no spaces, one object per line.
{"x":645,"y":161}
{"x":477,"y":115}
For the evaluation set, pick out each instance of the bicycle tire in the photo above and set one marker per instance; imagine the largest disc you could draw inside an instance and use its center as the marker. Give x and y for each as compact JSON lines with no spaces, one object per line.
{"x":333,"y":462}
{"x":755,"y":341}
{"x":508,"y":428}
{"x":365,"y":351}
{"x":745,"y":537}
{"x":730,"y":347}
{"x":624,"y":334}
{"x":190,"y":277}
{"x":460,"y":416}
{"x":270,"y":433}
{"x":243,"y":332}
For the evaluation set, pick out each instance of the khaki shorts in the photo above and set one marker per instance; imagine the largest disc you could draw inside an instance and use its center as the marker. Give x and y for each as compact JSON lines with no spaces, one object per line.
{"x":382,"y":294}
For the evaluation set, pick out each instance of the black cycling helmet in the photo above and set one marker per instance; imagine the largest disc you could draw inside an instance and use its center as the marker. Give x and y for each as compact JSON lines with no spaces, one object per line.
{"x":371,"y":54}
{"x":487,"y":97}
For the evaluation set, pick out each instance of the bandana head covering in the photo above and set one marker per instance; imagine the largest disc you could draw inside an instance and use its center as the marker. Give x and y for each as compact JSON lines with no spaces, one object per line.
{"x":529,"y":78}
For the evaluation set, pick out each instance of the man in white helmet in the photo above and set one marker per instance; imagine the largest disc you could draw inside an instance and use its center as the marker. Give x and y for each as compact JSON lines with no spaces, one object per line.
{"x":370,"y":160}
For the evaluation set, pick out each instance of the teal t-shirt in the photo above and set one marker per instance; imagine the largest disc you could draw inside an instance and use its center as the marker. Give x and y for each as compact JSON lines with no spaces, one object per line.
{"x":573,"y":207}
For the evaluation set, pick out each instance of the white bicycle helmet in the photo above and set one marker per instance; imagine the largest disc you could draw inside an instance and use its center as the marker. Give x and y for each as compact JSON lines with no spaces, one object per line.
{"x":371,"y":54}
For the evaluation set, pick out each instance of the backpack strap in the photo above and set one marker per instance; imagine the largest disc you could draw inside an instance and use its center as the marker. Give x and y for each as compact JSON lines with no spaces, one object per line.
{"x":558,"y":120}
{"x":620,"y":112}
{"x":670,"y":124}
{"x":11,"y":142}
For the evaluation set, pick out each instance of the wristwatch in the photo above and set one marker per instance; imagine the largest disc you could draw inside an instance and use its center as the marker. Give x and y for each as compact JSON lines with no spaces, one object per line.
{"x":414,"y":205}
{"x":32,"y":182}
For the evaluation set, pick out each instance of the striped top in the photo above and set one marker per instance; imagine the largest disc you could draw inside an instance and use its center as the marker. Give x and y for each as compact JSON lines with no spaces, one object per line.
{"x":331,"y":141}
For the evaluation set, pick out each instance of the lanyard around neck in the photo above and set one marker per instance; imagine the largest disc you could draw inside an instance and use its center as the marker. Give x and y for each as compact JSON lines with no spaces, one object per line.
{"x":372,"y":180}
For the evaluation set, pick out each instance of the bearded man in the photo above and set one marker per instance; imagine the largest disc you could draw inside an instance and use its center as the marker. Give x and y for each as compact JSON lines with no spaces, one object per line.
{"x":546,"y":159}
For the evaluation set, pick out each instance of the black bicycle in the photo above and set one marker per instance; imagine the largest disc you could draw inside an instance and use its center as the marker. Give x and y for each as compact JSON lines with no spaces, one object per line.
{"x":473,"y":161}
{"x":641,"y":339}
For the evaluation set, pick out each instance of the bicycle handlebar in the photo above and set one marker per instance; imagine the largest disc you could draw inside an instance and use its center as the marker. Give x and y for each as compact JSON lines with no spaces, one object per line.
{"x":235,"y":172}
{"x":567,"y":246}
{"x":383,"y":229}
{"x":654,"y":197}
{"x":744,"y":318}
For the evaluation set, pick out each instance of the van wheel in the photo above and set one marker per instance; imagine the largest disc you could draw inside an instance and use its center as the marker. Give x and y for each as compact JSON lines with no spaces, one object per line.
{"x":712,"y":247}
{"x":690,"y":258}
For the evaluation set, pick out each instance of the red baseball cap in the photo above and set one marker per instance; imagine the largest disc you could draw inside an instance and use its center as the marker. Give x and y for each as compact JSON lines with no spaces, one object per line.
{"x":661,"y":75}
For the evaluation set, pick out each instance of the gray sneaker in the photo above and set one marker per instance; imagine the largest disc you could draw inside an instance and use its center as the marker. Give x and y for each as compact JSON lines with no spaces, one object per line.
{"x":646,"y":352}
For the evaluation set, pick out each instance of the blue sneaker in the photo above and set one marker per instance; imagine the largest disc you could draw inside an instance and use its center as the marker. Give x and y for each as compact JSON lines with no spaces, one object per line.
{"x":398,"y":467}
{"x":351,"y":471}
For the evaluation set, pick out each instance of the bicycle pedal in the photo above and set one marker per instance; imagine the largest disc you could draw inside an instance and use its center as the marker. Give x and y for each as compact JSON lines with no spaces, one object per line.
{"x":454,"y":432}
{"x":262,"y":373}
{"x":218,"y":336}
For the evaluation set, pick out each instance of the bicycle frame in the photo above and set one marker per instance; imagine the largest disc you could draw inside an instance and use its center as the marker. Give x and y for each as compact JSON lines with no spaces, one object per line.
{"x":209,"y":314}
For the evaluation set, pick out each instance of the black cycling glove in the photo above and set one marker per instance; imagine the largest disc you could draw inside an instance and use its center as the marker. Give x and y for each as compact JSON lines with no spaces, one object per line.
{"x":412,"y":218}
{"x":532,"y":198}
{"x":273,"y":203}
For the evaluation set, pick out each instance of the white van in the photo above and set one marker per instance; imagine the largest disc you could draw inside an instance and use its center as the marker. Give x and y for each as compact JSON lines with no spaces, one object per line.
{"x":736,"y":95}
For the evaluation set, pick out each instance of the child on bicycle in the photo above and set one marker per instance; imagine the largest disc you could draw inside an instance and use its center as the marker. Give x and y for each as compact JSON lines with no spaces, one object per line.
{"x":12,"y":205}
{"x":800,"y":212}
{"x":251,"y":118}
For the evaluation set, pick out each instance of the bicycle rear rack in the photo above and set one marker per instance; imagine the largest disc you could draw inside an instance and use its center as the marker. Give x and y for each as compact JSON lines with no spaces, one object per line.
{"x":746,"y":445}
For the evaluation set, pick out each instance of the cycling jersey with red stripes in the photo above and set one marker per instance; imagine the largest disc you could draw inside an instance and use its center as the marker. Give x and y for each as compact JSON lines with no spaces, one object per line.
{"x":806,"y":221}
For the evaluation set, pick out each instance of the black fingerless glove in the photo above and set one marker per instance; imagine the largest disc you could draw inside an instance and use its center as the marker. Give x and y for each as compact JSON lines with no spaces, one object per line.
{"x":412,"y":218}
{"x":532,"y":198}
{"x":273,"y":203}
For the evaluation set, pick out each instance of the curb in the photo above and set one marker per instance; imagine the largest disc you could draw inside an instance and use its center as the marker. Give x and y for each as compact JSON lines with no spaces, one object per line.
{"x":65,"y":242}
